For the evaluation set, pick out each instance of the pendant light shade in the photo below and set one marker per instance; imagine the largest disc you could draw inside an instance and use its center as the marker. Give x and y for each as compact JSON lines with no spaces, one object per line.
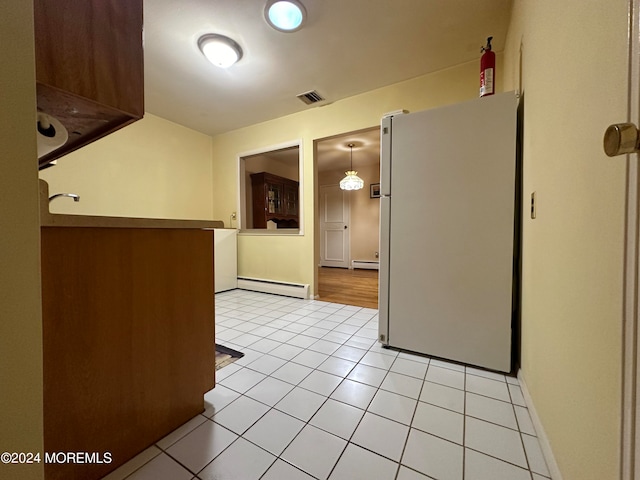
{"x":351,"y":181}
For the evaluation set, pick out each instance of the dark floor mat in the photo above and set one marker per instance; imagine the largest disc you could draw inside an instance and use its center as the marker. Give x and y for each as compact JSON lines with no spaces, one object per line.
{"x":226,"y":356}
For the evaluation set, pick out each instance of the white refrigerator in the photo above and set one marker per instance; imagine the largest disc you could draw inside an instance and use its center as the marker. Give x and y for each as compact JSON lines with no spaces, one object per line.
{"x":448,"y":196}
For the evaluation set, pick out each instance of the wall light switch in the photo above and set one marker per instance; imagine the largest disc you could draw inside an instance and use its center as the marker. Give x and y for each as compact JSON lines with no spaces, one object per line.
{"x":533,"y":205}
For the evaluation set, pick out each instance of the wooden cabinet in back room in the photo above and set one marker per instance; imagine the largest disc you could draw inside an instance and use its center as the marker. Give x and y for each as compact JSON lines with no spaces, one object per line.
{"x":274,"y":198}
{"x":89,"y":67}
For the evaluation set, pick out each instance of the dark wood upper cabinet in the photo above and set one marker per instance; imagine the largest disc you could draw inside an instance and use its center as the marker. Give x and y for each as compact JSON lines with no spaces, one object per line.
{"x":89,"y":67}
{"x":274,"y":198}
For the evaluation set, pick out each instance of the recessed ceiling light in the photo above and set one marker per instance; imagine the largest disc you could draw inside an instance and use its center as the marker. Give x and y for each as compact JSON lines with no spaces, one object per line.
{"x":285,"y":15}
{"x":220,"y":50}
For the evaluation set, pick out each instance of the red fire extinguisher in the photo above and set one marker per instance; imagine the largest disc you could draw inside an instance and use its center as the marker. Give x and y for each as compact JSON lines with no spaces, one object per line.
{"x":487,"y":70}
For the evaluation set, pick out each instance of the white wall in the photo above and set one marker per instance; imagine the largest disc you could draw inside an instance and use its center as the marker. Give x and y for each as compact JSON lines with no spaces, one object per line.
{"x":21,"y":427}
{"x":152,"y":168}
{"x":294,"y":258}
{"x":573,"y":74}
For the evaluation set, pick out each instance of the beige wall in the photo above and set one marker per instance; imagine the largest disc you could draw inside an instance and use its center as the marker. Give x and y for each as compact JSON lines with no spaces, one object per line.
{"x":293,"y":258}
{"x":20,"y":312}
{"x":364,"y":210}
{"x":152,"y":168}
{"x":263,"y":163}
{"x":573,"y":78}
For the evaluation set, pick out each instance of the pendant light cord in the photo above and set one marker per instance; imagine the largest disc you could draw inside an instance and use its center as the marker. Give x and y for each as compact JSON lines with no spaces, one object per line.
{"x":351,"y":147}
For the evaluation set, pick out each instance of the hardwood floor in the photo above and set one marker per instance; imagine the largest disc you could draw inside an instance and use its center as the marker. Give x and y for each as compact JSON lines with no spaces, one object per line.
{"x":350,"y":287}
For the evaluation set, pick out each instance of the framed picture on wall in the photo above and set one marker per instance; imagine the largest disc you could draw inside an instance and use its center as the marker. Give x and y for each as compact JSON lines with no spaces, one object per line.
{"x":374,"y":190}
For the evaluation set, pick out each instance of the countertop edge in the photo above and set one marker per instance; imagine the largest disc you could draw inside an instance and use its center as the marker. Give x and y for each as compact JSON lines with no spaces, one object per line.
{"x":88,"y":221}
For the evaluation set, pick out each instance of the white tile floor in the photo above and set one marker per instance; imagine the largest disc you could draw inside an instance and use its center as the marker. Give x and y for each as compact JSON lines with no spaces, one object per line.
{"x":316,"y":397}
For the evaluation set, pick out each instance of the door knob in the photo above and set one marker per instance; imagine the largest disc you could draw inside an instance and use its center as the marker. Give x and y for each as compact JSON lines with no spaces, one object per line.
{"x":620,"y":139}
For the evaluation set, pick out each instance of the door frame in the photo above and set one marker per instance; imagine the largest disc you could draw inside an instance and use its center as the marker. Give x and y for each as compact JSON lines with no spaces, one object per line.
{"x":240,"y":218}
{"x":630,"y":431}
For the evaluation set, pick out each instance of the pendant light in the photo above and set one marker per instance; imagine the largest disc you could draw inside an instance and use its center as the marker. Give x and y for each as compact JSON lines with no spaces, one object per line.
{"x":351,"y":181}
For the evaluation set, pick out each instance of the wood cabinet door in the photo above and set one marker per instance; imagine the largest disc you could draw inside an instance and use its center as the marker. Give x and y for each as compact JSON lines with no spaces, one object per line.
{"x":128,"y":339}
{"x":93,"y":49}
{"x":291,"y":199}
{"x":89,"y":67}
{"x":274,"y":198}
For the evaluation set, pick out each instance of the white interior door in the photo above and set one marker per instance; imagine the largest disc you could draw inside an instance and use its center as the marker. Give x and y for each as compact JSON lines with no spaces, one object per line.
{"x":334,"y":227}
{"x":631,"y":330}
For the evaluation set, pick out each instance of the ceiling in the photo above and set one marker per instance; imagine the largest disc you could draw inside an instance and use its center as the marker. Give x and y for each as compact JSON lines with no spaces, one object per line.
{"x":345,"y":48}
{"x":334,"y":153}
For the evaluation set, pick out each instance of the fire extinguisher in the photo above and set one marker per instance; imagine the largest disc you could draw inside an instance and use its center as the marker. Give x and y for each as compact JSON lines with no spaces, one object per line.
{"x":487,"y":70}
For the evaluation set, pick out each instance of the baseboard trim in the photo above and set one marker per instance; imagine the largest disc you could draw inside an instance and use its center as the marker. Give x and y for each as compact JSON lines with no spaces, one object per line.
{"x":365,"y":264}
{"x":545,"y":446}
{"x":288,"y":289}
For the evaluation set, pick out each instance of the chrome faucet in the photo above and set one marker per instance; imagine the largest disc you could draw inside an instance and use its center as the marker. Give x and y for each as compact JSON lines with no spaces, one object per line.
{"x":76,"y":198}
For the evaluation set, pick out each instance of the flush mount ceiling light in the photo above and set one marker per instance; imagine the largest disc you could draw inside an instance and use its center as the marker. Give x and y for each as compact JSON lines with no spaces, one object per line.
{"x":285,"y":15}
{"x":220,"y":50}
{"x":351,"y":181}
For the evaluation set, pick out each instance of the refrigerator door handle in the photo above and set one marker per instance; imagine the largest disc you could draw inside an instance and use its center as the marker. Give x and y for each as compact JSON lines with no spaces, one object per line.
{"x":385,"y":156}
{"x":383,"y":282}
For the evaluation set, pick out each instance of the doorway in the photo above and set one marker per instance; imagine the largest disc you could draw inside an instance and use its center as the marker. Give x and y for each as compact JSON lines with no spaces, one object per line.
{"x":348,"y":286}
{"x":347,"y":222}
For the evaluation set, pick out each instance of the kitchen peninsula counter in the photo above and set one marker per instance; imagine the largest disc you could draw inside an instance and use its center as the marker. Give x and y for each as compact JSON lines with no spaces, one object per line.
{"x":128,"y":333}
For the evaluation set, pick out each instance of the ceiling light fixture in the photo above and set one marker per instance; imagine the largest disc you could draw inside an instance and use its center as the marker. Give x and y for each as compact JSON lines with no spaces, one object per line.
{"x":285,"y":15}
{"x":351,"y":181}
{"x":219,"y":50}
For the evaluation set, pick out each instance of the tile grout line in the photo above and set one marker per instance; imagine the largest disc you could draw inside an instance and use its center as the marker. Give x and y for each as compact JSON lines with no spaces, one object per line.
{"x":306,"y":423}
{"x":415,"y":409}
{"x":524,"y":449}
{"x":329,"y":396}
{"x":388,"y":371}
{"x":464,"y":427}
{"x":343,"y":343}
{"x":360,"y":422}
{"x":399,"y":373}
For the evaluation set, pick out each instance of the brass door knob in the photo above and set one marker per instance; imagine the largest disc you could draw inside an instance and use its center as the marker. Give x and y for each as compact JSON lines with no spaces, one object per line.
{"x":620,"y":139}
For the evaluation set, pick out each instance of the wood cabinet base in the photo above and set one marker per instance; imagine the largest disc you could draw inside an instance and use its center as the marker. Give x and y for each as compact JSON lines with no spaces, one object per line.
{"x":128,"y":327}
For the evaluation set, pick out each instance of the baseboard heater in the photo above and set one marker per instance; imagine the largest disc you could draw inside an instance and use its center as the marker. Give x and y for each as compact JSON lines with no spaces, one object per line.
{"x":298,"y":290}
{"x":365,"y":264}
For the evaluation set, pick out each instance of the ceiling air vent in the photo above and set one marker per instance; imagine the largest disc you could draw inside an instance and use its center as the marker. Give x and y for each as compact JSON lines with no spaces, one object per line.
{"x":310,"y":97}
